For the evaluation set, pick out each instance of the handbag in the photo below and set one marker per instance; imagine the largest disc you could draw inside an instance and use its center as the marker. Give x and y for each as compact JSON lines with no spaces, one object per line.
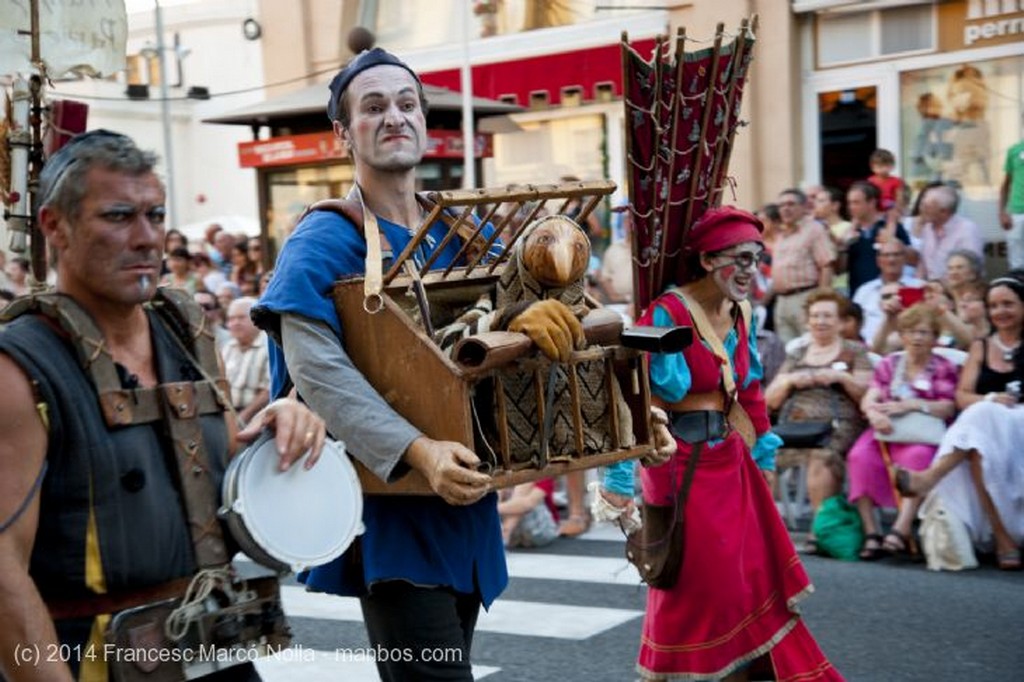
{"x":914,"y":427}
{"x":656,"y":549}
{"x":837,"y":529}
{"x":945,"y":539}
{"x":805,"y":434}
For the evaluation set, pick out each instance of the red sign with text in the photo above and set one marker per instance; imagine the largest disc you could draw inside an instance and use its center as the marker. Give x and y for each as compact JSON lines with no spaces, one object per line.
{"x":289,"y":150}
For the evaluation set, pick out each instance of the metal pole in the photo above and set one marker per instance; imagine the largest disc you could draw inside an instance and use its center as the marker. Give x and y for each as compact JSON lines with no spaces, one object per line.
{"x":165,"y":116}
{"x":468,"y":146}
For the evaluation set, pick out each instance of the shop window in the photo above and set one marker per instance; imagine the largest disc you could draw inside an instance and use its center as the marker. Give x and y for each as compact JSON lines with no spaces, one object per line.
{"x":906,"y":29}
{"x":844,"y":37}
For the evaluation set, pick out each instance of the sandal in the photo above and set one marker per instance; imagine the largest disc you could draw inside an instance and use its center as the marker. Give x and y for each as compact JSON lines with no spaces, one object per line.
{"x":1009,"y":560}
{"x":896,"y":543}
{"x":869,"y":553}
{"x":574,"y":525}
{"x":810,"y":545}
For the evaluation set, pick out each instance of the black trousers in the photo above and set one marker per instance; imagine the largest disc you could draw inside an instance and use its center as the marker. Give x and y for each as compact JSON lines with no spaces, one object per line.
{"x":420,"y":634}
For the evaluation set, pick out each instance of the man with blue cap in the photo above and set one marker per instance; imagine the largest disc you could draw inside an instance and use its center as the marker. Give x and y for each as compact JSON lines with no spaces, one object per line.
{"x":425,"y":563}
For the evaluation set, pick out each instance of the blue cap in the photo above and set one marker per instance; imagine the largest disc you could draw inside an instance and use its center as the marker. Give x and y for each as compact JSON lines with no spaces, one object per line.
{"x":367,"y":59}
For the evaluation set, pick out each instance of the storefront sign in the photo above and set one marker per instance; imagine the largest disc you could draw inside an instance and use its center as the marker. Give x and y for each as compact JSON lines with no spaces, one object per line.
{"x":289,"y":150}
{"x":980,"y":23}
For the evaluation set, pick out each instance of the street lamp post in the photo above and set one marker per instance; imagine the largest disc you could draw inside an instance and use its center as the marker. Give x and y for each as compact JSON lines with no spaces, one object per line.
{"x":165,"y":113}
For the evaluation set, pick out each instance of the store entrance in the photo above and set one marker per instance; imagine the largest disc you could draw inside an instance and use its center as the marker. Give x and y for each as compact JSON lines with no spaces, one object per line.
{"x":848,"y":125}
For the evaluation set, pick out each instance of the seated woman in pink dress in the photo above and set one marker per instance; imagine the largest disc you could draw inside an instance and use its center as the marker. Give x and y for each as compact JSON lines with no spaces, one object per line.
{"x":912,"y":380}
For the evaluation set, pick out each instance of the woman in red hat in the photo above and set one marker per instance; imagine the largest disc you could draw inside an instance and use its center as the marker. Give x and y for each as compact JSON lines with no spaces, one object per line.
{"x":733,"y":607}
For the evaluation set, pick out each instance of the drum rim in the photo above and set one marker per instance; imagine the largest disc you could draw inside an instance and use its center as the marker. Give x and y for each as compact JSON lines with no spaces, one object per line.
{"x":252,"y":538}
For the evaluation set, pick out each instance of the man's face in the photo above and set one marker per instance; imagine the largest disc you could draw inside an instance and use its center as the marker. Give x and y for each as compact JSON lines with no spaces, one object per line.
{"x":387,"y":131}
{"x":224,"y":243}
{"x":791,"y":209}
{"x":932,"y":211}
{"x":239,"y":323}
{"x":861,"y":210}
{"x":823,"y":205}
{"x":891,"y":258}
{"x":112,"y":251}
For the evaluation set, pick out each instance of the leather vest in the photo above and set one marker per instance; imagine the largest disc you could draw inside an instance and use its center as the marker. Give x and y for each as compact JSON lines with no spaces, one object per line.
{"x":125,"y":475}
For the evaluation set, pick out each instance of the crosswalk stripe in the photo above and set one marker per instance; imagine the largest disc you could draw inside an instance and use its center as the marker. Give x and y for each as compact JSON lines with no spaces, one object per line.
{"x":508,"y":617}
{"x":582,"y":569}
{"x":312,"y":665}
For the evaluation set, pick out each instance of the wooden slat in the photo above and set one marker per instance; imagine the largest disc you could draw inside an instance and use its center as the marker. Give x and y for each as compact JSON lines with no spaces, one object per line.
{"x":613,"y":408}
{"x":415,"y":242}
{"x":503,"y":439}
{"x":577,"y":408}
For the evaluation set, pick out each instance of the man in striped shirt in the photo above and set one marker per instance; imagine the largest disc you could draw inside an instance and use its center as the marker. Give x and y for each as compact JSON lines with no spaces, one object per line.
{"x":802,"y":261}
{"x":246,"y":361}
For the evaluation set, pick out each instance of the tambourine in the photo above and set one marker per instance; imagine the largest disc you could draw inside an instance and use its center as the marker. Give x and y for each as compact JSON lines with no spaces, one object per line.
{"x":296,"y":519}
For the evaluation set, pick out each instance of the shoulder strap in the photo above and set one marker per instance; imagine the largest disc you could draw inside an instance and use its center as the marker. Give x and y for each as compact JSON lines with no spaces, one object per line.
{"x":120,"y":407}
{"x":186,"y":320}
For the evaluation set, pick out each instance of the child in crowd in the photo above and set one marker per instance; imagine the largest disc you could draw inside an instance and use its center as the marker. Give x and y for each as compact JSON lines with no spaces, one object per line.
{"x":890,"y":187}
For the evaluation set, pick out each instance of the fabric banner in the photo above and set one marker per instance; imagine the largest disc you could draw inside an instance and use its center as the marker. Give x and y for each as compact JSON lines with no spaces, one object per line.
{"x":682,"y":112}
{"x":85,"y":37}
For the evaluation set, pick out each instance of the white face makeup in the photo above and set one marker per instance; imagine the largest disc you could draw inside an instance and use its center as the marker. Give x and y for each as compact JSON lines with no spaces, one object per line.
{"x":734,"y":269}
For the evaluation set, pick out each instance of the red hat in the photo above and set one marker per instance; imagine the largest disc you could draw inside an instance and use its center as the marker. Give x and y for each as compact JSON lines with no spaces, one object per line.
{"x":720,"y":228}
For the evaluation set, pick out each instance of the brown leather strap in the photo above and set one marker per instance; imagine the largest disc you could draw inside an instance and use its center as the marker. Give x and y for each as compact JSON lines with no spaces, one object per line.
{"x":94,"y":605}
{"x":142,"y":405}
{"x":713,"y":401}
{"x":181,"y":415}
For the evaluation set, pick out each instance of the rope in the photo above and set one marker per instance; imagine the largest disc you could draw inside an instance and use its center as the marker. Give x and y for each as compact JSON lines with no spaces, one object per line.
{"x":192,"y":607}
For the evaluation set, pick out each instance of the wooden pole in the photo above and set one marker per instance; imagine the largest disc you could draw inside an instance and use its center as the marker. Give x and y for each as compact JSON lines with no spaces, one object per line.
{"x":718,"y":169}
{"x":708,"y":105}
{"x":37,"y":245}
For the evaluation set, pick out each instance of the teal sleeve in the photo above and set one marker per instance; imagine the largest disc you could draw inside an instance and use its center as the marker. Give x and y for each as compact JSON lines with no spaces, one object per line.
{"x":670,"y":375}
{"x":619,"y":477}
{"x":764,"y":450}
{"x":756,"y":369}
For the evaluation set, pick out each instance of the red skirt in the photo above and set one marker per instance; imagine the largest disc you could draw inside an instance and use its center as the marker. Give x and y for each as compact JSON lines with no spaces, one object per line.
{"x":740,"y":582}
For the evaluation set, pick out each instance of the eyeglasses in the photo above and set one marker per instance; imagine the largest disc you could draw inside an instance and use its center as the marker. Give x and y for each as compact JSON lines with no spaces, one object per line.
{"x":746,"y":260}
{"x":886,"y":297}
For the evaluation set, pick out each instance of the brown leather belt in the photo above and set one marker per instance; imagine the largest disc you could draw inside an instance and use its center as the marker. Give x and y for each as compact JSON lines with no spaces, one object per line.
{"x":94,"y":605}
{"x":798,"y":290}
{"x":712,"y":401}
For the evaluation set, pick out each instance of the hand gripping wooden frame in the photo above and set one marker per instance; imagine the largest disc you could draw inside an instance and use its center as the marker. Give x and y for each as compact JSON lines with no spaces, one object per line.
{"x":388,"y":330}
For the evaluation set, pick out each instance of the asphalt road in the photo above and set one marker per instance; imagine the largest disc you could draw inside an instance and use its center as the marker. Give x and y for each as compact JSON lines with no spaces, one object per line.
{"x":573,"y":612}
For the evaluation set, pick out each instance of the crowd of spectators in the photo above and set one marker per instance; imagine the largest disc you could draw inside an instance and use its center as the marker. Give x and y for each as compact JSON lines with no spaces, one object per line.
{"x":908,"y":341}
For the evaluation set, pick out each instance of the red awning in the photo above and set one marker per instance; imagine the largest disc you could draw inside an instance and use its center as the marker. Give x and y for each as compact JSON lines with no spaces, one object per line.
{"x":585,"y":69}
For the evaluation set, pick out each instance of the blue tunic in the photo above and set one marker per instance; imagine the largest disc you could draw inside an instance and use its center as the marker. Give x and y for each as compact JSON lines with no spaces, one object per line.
{"x":420,"y":539}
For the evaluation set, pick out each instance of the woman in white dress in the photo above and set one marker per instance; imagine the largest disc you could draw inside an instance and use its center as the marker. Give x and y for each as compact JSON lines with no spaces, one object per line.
{"x":978,"y":473}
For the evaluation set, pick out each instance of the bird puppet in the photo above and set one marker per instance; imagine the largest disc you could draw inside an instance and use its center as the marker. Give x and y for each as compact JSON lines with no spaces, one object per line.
{"x":543,"y":284}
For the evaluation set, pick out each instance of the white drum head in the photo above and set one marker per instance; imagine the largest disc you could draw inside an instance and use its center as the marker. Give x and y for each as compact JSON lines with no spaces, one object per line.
{"x":301,"y":518}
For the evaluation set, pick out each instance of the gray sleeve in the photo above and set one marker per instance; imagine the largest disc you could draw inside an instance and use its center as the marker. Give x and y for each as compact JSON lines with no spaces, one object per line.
{"x":354,"y":412}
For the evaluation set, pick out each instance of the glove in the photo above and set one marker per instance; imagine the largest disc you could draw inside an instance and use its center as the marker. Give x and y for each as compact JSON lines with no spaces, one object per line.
{"x":552,"y":326}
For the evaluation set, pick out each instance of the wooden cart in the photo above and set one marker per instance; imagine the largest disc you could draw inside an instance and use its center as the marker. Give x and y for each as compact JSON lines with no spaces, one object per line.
{"x":462,"y":398}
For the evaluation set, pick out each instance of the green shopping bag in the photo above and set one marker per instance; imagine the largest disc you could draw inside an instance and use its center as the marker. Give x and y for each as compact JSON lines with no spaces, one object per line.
{"x":837,"y":529}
